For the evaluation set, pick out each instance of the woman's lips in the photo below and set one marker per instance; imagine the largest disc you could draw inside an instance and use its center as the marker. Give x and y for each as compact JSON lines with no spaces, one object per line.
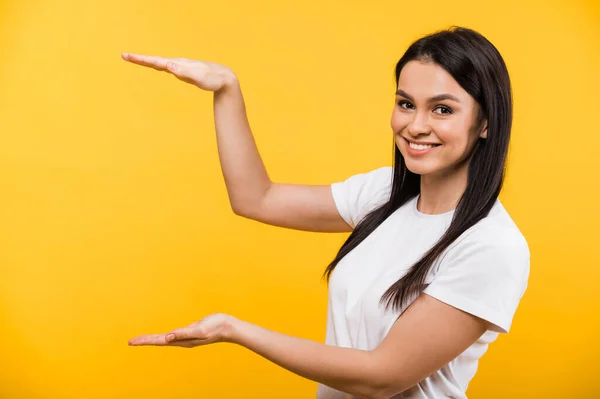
{"x":416,"y":153}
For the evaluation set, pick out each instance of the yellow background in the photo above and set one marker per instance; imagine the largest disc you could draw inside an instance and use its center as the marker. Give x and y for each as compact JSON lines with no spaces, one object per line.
{"x":114,"y":215}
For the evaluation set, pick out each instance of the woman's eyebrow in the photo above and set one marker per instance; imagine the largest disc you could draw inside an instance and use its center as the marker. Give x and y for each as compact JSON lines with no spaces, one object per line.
{"x":439,"y":97}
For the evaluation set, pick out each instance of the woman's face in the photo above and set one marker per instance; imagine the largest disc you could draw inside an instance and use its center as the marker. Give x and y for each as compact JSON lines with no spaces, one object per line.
{"x":432,"y":108}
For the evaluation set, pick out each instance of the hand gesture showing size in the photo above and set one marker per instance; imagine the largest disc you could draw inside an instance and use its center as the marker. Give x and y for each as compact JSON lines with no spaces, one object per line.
{"x":206,"y":75}
{"x":211,"y":329}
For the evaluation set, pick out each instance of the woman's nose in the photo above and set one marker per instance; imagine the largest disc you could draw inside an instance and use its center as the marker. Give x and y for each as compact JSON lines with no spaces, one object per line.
{"x":419,"y":124}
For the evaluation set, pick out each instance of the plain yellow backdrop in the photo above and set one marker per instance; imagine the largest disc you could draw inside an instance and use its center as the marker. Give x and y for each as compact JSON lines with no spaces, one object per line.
{"x":114,"y":215}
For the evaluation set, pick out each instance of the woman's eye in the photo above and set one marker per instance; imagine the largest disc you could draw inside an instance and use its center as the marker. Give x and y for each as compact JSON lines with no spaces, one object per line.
{"x":405,"y":104}
{"x":441,"y":110}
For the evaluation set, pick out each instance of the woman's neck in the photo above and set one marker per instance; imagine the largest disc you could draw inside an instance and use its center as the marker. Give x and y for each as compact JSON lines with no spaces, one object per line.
{"x":441,"y":193}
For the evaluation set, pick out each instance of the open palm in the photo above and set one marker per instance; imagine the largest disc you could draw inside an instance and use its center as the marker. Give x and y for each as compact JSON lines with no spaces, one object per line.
{"x":211,"y":329}
{"x":206,"y":75}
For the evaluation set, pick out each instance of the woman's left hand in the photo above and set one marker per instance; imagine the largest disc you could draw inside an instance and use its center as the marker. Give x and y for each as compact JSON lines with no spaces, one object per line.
{"x":217,"y":327}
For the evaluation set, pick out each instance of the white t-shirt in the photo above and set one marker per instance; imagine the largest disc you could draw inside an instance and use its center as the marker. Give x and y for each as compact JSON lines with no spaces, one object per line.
{"x":484,"y":272}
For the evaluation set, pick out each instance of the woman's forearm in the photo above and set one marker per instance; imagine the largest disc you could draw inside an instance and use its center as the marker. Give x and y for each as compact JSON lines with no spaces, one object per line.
{"x":243,"y":169}
{"x":345,"y":369}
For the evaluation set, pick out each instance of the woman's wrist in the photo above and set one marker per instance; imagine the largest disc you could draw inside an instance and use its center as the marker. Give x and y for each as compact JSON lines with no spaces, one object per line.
{"x":232,"y":330}
{"x":230,"y":81}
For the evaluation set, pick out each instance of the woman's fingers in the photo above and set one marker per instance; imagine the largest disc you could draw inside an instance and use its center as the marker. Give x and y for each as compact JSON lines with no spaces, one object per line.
{"x":148,"y":339}
{"x":184,"y":333}
{"x":160,"y":340}
{"x":208,"y":330}
{"x":155,"y":62}
{"x":158,"y":63}
{"x":187,"y":343}
{"x":205,"y":75}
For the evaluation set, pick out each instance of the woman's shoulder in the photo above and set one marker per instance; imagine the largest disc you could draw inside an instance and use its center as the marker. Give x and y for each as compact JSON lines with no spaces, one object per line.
{"x":497,"y":230}
{"x":360,"y":193}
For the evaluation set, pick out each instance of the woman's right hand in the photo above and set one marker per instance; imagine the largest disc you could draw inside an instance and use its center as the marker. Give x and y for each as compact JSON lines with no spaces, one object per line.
{"x":205,"y":75}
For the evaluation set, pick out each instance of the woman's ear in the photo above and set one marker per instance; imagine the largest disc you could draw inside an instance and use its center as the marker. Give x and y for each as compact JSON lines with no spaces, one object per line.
{"x":484,"y":131}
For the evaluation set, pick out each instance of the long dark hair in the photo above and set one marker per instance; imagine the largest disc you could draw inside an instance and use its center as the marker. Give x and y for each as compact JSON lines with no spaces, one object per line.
{"x":479,"y":69}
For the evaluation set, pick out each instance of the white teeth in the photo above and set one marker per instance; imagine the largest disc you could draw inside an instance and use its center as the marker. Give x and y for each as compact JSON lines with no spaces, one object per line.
{"x":420,"y":146}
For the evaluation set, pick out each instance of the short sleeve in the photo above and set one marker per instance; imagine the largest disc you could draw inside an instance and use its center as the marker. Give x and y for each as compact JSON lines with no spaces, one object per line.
{"x":485,"y":275}
{"x":361,"y":193}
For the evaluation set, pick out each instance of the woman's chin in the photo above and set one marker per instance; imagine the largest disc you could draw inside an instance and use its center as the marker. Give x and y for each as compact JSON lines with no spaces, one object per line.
{"x":418,"y":168}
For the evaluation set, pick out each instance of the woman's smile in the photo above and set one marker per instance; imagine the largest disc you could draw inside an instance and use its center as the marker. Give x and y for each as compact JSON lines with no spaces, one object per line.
{"x":416,"y":150}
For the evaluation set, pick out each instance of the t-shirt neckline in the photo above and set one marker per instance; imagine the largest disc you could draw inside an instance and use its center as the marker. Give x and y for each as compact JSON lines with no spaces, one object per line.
{"x":420,"y":214}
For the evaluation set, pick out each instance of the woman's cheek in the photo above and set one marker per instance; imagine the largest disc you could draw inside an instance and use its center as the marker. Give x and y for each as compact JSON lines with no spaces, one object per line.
{"x":447,"y":130}
{"x":400,"y":120}
{"x":395,"y":122}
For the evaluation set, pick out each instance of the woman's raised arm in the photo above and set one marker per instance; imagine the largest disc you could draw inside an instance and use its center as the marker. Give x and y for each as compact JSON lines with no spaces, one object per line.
{"x":251,"y":192}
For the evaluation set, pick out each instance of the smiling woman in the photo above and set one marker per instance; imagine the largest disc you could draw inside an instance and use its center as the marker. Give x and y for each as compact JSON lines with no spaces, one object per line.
{"x":434,"y":268}
{"x":450,"y":122}
{"x":445,"y":259}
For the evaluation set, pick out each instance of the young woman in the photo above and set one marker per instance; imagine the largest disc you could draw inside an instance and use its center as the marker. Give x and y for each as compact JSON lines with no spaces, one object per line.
{"x":434,"y":268}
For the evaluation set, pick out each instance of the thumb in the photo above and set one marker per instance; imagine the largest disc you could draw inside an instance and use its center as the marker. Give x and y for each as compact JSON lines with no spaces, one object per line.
{"x":173,"y":67}
{"x":179,"y":334}
{"x":181,"y":72}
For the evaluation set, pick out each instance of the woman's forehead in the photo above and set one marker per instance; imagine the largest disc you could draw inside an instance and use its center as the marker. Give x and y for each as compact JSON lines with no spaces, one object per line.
{"x":428,"y":79}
